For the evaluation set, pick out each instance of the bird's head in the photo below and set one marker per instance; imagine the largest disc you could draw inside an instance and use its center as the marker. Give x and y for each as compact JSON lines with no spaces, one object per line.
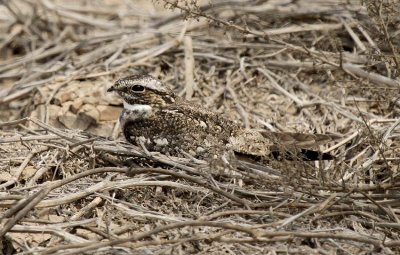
{"x":143,"y":90}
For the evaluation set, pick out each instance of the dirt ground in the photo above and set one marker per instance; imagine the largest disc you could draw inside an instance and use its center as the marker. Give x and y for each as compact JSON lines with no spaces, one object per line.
{"x":71,"y":184}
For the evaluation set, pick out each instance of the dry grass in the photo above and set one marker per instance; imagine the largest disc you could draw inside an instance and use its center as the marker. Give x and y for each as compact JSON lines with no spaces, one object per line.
{"x":306,"y":66}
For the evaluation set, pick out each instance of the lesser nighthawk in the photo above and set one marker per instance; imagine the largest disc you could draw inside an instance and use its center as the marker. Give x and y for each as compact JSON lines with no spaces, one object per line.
{"x":162,"y":121}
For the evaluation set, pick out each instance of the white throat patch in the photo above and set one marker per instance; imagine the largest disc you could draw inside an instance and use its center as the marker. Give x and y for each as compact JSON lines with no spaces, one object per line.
{"x":134,"y":112}
{"x":140,"y":108}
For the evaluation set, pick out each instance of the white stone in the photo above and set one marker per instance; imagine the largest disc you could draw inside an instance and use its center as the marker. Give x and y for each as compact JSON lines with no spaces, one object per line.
{"x":203,"y":124}
{"x":141,"y":139}
{"x":200,"y":149}
{"x":161,"y":142}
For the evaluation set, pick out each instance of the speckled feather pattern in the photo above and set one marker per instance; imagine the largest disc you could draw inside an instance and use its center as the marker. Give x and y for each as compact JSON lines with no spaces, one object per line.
{"x":179,"y":127}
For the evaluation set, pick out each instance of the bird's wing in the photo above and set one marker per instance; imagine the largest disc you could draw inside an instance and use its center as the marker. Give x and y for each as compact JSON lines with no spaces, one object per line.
{"x":289,"y":146}
{"x":250,"y":142}
{"x":210,"y":122}
{"x":299,"y":140}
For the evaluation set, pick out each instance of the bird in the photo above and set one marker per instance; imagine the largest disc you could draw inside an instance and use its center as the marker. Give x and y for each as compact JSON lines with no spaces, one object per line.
{"x":155,"y":117}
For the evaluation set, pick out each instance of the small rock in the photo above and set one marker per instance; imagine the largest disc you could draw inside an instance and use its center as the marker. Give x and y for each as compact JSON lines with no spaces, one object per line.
{"x":76,"y":105}
{"x":108,"y":113}
{"x":63,"y":96}
{"x":28,"y":172}
{"x":90,"y":100}
{"x":56,"y":218}
{"x":104,"y":129}
{"x":68,"y":119}
{"x":5,"y":176}
{"x":53,"y":111}
{"x":40,"y":111}
{"x":75,"y":121}
{"x":65,"y":107}
{"x":89,"y":113}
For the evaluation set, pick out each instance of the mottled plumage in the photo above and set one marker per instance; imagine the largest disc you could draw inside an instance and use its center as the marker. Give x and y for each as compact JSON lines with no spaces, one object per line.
{"x":155,"y":117}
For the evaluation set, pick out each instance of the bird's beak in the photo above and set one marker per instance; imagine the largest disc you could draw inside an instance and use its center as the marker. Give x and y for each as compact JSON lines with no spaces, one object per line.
{"x":111,"y":89}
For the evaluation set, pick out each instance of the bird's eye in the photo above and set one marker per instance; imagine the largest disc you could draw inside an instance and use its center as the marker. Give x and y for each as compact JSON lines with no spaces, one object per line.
{"x":137,"y":88}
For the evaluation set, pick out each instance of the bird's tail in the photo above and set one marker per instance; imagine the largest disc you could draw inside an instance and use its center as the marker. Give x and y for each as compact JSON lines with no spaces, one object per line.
{"x":299,"y":146}
{"x":303,"y":155}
